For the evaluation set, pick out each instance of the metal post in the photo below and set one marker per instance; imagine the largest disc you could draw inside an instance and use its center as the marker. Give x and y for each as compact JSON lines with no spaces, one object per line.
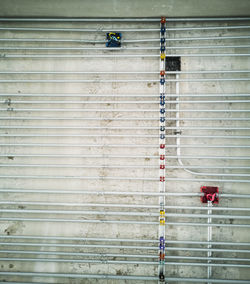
{"x":162,"y":153}
{"x":209,"y":239}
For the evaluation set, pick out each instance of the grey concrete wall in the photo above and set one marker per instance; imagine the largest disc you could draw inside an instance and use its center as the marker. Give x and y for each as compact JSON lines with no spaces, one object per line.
{"x":114,"y":230}
{"x":120,"y":8}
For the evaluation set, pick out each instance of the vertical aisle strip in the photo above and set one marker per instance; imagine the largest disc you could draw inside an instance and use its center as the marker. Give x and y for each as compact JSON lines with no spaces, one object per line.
{"x":162,"y":145}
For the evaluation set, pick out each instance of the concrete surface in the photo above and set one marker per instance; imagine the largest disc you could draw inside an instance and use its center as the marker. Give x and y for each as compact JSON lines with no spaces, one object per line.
{"x":137,"y":64}
{"x":128,"y":8}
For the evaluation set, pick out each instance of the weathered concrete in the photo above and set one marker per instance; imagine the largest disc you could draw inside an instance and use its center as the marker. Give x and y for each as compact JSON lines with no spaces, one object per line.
{"x":128,"y":8}
{"x":114,"y":230}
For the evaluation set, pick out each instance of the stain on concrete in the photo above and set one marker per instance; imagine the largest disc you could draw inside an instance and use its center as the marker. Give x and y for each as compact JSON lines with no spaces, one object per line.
{"x":118,"y":272}
{"x":149,"y":85}
{"x":114,"y":86}
{"x":21,"y":207}
{"x":102,"y":173}
{"x":14,"y":228}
